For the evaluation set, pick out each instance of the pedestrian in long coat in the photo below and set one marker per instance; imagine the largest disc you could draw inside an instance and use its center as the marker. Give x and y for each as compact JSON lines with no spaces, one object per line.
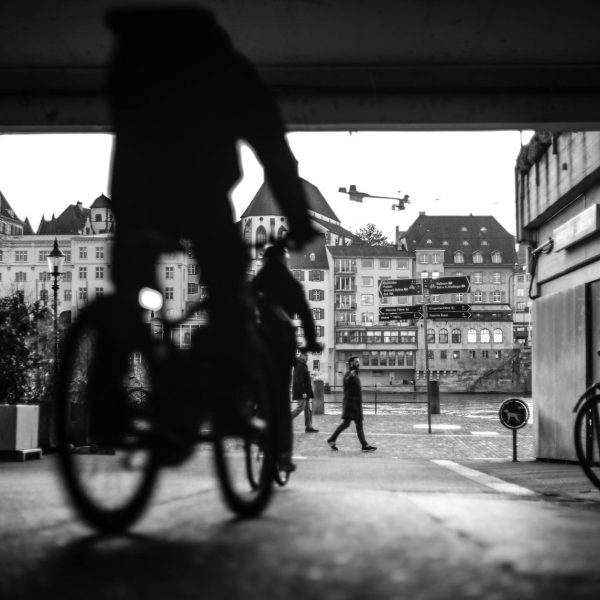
{"x":352,"y":407}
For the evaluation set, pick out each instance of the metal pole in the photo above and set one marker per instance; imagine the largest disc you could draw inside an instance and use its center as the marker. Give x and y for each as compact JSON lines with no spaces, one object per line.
{"x":55,"y":290}
{"x":426,"y":355}
{"x":514,"y":445}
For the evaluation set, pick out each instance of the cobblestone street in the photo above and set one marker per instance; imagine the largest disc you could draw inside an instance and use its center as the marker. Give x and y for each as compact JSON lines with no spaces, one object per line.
{"x":468,"y":427}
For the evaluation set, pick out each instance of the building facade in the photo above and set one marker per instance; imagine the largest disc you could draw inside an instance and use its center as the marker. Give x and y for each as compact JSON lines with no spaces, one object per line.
{"x":557,"y":199}
{"x":340,"y":275}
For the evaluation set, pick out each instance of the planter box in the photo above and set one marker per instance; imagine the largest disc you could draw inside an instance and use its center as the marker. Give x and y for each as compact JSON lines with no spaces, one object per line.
{"x":19,"y":426}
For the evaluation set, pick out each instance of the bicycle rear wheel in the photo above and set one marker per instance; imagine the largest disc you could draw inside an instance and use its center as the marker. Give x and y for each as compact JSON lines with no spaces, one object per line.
{"x":587,"y":438}
{"x":243,"y":458}
{"x":104,"y":426}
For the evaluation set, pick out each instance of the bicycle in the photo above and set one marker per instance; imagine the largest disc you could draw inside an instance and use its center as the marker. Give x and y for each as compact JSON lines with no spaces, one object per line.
{"x":587,"y":432}
{"x":112,"y":436}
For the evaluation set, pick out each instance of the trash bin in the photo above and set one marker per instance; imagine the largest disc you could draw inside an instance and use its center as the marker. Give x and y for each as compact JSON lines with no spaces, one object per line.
{"x":433,"y":397}
{"x":319,"y":399}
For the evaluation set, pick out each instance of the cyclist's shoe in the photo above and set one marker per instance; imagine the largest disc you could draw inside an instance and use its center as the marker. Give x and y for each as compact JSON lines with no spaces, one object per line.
{"x":368,"y":448}
{"x":284,"y":462}
{"x":332,"y":445}
{"x":311,"y":430}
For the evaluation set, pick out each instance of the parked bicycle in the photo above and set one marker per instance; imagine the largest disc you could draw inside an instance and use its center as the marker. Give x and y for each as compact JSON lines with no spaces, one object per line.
{"x":587,"y":432}
{"x":119,"y":387}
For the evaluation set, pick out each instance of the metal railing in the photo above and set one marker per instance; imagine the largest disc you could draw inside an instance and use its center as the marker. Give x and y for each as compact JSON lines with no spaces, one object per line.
{"x":378,"y":395}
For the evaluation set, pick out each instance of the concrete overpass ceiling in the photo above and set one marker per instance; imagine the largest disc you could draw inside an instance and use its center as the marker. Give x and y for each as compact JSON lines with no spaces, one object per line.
{"x":335,"y":63}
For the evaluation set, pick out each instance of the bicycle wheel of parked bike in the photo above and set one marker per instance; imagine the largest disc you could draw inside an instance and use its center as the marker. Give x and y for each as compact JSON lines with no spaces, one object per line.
{"x":102,"y":398}
{"x":243,"y":456}
{"x":587,"y":438}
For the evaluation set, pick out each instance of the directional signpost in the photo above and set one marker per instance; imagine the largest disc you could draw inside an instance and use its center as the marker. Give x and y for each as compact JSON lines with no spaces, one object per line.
{"x":399,"y":287}
{"x":413,"y":287}
{"x":400,"y":313}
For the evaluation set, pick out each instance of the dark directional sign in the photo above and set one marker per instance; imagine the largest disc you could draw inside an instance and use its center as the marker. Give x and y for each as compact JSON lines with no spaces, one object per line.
{"x":399,"y":287}
{"x":448,"y":285}
{"x":449,"y":311}
{"x":399,"y":313}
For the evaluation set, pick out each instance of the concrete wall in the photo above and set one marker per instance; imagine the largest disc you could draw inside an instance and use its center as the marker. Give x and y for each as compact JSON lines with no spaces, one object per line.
{"x":559,"y":370}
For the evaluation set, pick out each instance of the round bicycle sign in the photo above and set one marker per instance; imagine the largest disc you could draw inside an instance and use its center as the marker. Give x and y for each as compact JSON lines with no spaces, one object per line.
{"x":514,"y":413}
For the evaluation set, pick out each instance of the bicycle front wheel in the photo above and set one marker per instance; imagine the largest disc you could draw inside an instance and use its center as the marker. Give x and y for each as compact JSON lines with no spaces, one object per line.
{"x":587,"y":438}
{"x":102,"y":398}
{"x":243,"y":458}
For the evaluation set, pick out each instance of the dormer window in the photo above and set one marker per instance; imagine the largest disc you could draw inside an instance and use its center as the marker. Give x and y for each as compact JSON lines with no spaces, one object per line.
{"x":477,"y":257}
{"x":312,"y":256}
{"x":459,"y":257}
{"x":496,"y":257}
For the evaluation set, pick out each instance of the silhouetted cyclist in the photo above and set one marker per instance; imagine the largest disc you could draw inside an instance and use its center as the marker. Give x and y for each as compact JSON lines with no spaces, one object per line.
{"x":181,"y":97}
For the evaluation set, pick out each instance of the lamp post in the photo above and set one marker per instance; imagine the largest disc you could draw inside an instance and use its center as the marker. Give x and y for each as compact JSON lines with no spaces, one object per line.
{"x":55,"y":262}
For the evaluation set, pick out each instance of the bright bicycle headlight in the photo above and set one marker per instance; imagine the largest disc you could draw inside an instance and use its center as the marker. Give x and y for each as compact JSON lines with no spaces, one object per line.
{"x":150,"y":299}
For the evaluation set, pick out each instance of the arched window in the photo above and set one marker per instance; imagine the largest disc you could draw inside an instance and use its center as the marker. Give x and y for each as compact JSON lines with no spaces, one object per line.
{"x":431,"y":336}
{"x":472,"y":336}
{"x":496,"y":257}
{"x":477,"y":257}
{"x":261,"y":236}
{"x":459,"y":257}
{"x":248,"y":231}
{"x":456,"y":336}
{"x":484,"y":336}
{"x":443,"y":336}
{"x":281,"y":233}
{"x":498,"y":336}
{"x":496,"y":296}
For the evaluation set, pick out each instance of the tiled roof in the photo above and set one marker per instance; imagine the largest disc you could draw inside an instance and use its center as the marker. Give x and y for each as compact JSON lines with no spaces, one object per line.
{"x":301,"y":259}
{"x":466,"y":233}
{"x":101,"y":202}
{"x":337,"y":229}
{"x":27,"y":229}
{"x":367,"y":251}
{"x":6,"y":209}
{"x":264,"y":203}
{"x":70,"y":221}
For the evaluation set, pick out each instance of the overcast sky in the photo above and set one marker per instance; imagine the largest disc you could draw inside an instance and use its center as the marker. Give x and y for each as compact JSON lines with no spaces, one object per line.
{"x":443,"y":173}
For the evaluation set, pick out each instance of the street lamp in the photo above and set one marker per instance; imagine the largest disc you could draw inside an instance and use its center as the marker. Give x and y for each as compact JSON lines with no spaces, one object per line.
{"x":357,"y":196}
{"x":55,"y":262}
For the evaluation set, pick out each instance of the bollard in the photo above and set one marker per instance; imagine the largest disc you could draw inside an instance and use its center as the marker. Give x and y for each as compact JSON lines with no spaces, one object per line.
{"x":319,"y":399}
{"x":433,"y":397}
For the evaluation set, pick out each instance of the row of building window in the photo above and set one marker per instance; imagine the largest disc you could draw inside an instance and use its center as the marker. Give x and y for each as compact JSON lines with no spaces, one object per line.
{"x":313,"y":275}
{"x":444,"y":354}
{"x":380,"y":358}
{"x":472,"y":334}
{"x":319,"y":331}
{"x":370,"y":336}
{"x":349,"y":265}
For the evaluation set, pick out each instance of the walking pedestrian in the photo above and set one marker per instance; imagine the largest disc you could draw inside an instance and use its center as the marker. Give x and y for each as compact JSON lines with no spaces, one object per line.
{"x":302,"y":392}
{"x":352,"y":407}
